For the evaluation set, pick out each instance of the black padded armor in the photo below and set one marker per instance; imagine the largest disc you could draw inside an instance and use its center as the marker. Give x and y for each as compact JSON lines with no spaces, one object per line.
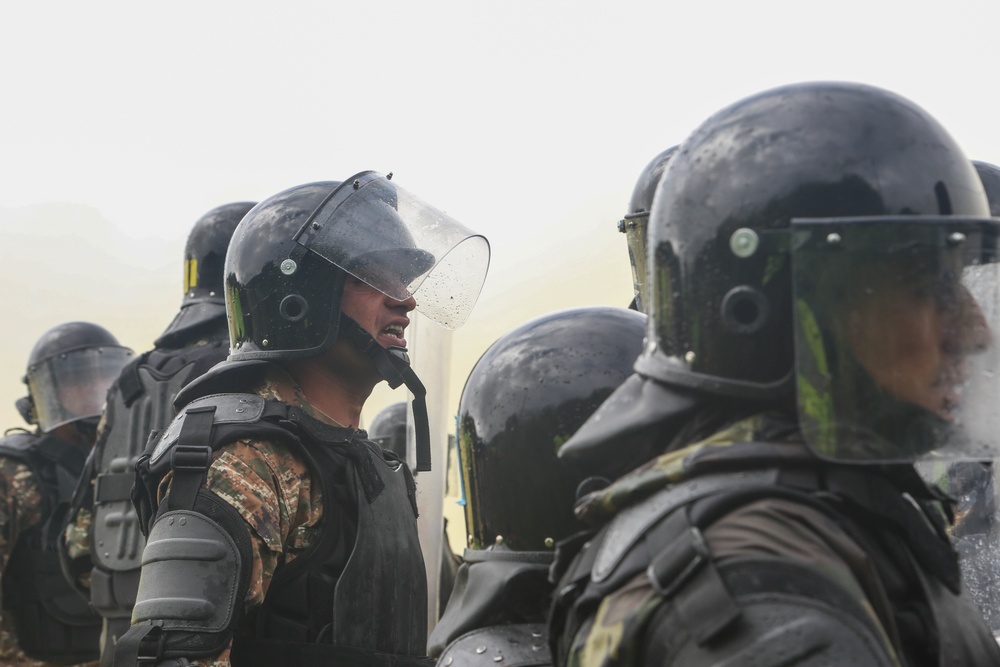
{"x":52,"y":621}
{"x":140,"y":401}
{"x":716,"y":611}
{"x":355,"y":596}
{"x":517,"y":645}
{"x":494,"y":587}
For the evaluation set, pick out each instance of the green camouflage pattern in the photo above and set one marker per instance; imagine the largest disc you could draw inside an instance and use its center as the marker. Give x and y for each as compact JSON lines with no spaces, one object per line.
{"x":614,"y":636}
{"x":600,"y":506}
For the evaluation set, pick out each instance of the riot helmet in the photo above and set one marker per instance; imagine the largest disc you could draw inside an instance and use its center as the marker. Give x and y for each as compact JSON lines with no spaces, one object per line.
{"x":204,"y":259}
{"x":989,"y":174}
{"x":290,"y":256}
{"x":525,"y":396}
{"x":288,"y":259}
{"x":388,"y":429}
{"x":804,"y":242}
{"x":636,"y":221}
{"x":70,"y":370}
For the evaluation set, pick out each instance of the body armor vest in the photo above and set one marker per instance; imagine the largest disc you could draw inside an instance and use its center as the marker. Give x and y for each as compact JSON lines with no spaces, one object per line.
{"x":357,"y":595}
{"x":914,"y":561}
{"x":53,"y":622}
{"x":140,"y":402}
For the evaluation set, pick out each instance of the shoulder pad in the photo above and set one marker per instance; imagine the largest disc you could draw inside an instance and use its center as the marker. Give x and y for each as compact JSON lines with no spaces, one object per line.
{"x":522,"y":645}
{"x":18,"y":444}
{"x":229,"y":409}
{"x":629,"y":525}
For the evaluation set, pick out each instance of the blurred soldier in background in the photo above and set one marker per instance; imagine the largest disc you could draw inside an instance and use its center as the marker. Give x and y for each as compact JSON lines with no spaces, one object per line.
{"x":818,"y":255}
{"x":527,"y":394}
{"x":636,"y":222}
{"x":70,"y":370}
{"x":388,"y":431}
{"x":277,"y":533}
{"x":104,"y":529}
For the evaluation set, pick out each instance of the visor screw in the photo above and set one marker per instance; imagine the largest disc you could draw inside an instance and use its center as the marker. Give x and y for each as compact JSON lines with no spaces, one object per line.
{"x":264,"y":342}
{"x":499,"y":540}
{"x":388,"y":176}
{"x":315,"y":225}
{"x":956,"y":238}
{"x":833,"y":238}
{"x":744,"y":242}
{"x":549,"y":542}
{"x":481,"y":650}
{"x":288,"y":267}
{"x":357,"y":184}
{"x":211,"y":293}
{"x":689,"y":357}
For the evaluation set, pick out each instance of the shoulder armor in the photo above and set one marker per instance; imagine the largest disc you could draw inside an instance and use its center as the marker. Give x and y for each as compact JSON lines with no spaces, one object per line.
{"x":229,"y":409}
{"x":629,"y":525}
{"x":522,"y":645}
{"x":18,"y":444}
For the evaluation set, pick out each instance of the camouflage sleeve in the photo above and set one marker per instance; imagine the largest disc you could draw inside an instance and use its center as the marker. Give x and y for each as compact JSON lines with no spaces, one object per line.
{"x":21,"y":506}
{"x":274,"y":493}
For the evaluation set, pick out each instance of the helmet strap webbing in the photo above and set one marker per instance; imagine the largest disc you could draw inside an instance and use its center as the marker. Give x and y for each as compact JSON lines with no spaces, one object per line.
{"x":393,"y":364}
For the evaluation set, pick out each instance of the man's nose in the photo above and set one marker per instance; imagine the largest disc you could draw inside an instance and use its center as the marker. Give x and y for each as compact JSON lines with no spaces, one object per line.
{"x":970,"y":331}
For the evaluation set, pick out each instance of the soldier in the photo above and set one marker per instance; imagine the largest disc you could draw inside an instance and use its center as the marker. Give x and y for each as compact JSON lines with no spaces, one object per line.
{"x":141,"y":401}
{"x":69,"y":371}
{"x":636,"y":222}
{"x":530,"y":390}
{"x":388,"y":431}
{"x":818,"y":253}
{"x":278,"y":534}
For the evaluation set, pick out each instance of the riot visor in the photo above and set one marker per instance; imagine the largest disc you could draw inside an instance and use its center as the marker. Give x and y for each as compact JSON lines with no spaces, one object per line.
{"x":400,"y":245}
{"x":72,"y":385}
{"x":895,"y":337}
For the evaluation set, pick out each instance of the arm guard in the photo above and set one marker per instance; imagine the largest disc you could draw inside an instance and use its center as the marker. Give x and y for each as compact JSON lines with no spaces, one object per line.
{"x":195,"y":573}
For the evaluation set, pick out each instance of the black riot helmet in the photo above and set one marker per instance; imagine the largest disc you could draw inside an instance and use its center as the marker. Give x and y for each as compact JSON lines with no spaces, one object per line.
{"x":388,"y":429}
{"x":636,"y":221}
{"x":778,"y":217}
{"x":989,"y":174}
{"x":204,"y":259}
{"x":288,"y":260}
{"x":70,"y":369}
{"x":525,"y":396}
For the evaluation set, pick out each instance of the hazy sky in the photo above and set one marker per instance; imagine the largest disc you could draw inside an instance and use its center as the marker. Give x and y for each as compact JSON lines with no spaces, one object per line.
{"x":122,"y":122}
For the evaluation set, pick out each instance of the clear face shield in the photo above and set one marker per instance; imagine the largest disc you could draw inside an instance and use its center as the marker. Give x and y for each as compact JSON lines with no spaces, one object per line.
{"x":402,"y":246}
{"x":895,"y":337}
{"x":976,"y":531}
{"x":634,"y":227}
{"x":73,"y":385}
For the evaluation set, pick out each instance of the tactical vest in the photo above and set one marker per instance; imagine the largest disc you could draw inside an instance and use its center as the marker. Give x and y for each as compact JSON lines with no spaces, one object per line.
{"x":140,"y":402}
{"x":903,"y":534}
{"x":357,"y":595}
{"x":53,"y":622}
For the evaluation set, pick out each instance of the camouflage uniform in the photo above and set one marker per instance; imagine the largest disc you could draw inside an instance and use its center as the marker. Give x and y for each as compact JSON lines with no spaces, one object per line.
{"x":21,"y":509}
{"x":635,"y":619}
{"x":274,"y":493}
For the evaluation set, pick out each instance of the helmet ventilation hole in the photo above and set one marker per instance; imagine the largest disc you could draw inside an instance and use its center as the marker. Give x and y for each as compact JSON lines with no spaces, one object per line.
{"x":293,"y":308}
{"x":744,"y":310}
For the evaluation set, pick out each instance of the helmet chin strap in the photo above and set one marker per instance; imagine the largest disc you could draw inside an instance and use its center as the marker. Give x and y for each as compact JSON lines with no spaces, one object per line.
{"x":393,"y":364}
